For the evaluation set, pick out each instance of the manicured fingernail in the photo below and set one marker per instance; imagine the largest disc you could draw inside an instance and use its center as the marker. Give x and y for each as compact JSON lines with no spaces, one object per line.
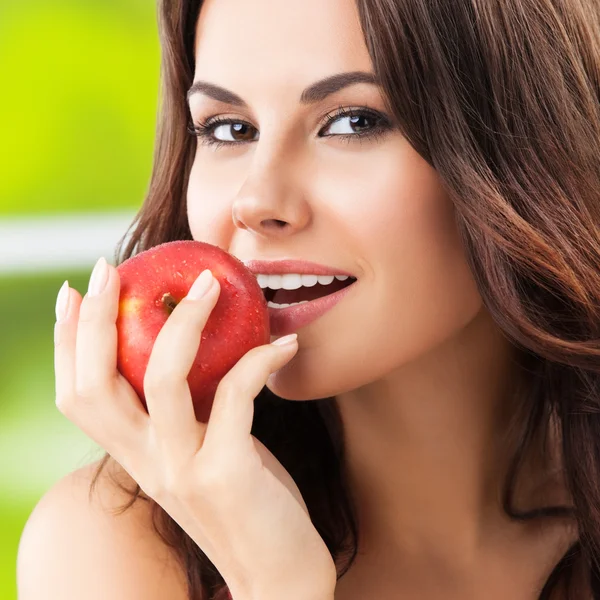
{"x":99,"y":277}
{"x":201,"y":286}
{"x":62,"y":301}
{"x":288,"y":339}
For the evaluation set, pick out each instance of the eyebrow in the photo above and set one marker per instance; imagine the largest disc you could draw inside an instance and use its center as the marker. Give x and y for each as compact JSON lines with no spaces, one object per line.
{"x":312,"y":94}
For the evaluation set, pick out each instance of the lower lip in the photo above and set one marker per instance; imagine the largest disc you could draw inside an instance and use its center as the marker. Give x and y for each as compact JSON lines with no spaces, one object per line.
{"x":284,"y":321}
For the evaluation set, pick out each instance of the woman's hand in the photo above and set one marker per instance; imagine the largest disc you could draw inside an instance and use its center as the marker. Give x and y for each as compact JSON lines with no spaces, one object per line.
{"x":216,"y":480}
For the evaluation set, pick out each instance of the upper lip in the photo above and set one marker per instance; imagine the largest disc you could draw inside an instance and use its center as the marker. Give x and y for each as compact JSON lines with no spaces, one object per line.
{"x":302,"y":267}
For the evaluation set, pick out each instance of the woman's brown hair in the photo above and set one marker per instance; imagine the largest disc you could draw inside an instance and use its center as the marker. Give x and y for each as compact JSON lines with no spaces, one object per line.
{"x":502,"y":98}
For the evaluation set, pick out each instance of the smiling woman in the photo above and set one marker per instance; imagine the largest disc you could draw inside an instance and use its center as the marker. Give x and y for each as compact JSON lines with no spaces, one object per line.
{"x":435,"y":433}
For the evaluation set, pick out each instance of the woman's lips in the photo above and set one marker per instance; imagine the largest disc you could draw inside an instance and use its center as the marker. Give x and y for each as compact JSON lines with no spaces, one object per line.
{"x":287,"y":320}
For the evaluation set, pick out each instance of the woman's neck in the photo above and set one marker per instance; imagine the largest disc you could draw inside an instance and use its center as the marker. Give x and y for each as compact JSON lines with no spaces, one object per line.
{"x":427,"y":447}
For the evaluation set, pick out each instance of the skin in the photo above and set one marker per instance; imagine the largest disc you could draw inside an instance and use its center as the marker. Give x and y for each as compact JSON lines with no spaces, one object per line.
{"x":420,"y":372}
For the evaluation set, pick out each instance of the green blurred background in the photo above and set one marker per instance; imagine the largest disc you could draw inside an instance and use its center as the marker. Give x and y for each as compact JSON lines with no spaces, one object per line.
{"x":77,"y":119}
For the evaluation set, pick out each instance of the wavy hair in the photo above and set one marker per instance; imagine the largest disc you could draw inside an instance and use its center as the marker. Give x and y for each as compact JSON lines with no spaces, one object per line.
{"x":502,"y":99}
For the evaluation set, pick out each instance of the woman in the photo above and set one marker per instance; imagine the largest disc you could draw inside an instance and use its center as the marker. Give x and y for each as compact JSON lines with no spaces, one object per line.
{"x":449,"y":445}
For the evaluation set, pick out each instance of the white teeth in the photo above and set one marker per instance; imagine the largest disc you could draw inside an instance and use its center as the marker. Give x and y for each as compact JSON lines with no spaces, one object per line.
{"x":271,"y":304}
{"x":293,"y":281}
{"x":309,"y":280}
{"x":275,"y":281}
{"x":325,"y":279}
{"x":263,"y":281}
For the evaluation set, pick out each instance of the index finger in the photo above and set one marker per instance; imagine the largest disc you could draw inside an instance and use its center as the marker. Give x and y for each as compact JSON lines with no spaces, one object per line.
{"x":166,"y":389}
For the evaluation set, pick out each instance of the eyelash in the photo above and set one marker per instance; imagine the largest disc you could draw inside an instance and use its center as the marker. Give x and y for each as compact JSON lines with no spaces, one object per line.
{"x":204,"y":130}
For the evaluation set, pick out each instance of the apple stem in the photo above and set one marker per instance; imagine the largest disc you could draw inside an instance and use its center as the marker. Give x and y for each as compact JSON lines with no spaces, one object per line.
{"x":169,"y":302}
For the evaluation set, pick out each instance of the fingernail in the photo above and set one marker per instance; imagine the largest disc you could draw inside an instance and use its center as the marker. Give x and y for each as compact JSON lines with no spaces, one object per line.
{"x":62,"y":301}
{"x":99,"y":277}
{"x":201,"y":286}
{"x":288,"y":339}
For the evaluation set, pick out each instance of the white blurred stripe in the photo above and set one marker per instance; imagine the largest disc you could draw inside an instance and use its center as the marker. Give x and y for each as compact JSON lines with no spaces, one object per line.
{"x":70,"y":240}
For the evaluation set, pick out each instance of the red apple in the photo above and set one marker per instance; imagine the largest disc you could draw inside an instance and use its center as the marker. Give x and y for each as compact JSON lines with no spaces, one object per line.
{"x":152,"y":284}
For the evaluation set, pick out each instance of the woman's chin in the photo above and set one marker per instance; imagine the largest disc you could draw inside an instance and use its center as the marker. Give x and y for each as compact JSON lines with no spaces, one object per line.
{"x":291,"y":385}
{"x":285,"y":389}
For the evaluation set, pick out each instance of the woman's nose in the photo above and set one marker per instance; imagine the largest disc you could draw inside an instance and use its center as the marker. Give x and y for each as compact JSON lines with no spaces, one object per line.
{"x":271,"y":203}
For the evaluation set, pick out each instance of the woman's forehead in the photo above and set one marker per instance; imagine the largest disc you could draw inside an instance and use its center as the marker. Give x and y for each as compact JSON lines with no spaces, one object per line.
{"x":280,"y":38}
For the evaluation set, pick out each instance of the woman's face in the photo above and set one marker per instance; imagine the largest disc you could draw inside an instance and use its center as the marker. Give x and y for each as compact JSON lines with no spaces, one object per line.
{"x":365,"y":204}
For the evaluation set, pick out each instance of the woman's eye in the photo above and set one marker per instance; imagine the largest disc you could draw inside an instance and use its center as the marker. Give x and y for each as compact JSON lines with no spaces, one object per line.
{"x":351,"y":124}
{"x":345,"y":124}
{"x":233,"y":132}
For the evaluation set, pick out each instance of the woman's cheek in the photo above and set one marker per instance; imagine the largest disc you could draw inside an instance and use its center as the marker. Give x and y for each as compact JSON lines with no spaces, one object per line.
{"x":208,"y":211}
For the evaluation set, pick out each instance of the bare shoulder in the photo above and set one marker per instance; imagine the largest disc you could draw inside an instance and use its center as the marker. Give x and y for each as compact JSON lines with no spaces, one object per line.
{"x":79,"y":546}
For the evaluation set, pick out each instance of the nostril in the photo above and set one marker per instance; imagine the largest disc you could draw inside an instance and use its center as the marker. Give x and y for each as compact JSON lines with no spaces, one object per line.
{"x":275,"y":223}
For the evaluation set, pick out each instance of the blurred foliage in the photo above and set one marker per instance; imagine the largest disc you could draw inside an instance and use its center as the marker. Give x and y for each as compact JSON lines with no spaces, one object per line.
{"x":78,"y":103}
{"x":77,"y":119}
{"x":38,"y":445}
